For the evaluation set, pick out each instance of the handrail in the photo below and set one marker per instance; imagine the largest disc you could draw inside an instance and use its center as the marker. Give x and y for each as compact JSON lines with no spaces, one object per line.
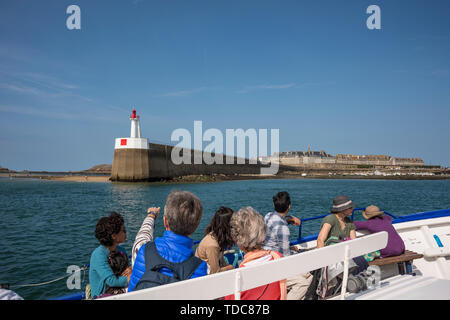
{"x":301,"y":239}
{"x":237,"y":280}
{"x":407,"y":218}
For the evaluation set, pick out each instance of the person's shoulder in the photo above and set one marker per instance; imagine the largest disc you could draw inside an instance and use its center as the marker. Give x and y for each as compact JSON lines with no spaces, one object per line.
{"x":329,"y":219}
{"x":209,"y":237}
{"x":100,"y":250}
{"x":274,"y":217}
{"x":269,"y":215}
{"x":98,"y":254}
{"x":269,"y":218}
{"x":208,"y":241}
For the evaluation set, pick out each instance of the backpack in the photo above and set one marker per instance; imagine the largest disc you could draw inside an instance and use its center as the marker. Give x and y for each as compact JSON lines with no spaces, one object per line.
{"x":311,"y":291}
{"x":327,"y":281}
{"x":154,"y":262}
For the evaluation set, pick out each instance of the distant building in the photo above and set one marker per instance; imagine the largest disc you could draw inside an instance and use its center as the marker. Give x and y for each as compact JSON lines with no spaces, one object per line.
{"x":321,"y":159}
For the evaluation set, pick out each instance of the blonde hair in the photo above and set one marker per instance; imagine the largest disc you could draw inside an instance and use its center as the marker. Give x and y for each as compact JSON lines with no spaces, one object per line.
{"x":248,"y":229}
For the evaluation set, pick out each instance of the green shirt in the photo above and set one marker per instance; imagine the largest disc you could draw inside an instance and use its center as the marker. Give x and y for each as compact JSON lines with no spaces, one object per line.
{"x":337,"y":234}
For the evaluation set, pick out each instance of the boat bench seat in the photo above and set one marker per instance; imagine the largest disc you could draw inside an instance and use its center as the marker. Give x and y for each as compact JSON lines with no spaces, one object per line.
{"x":408,"y":256}
{"x":401,"y":264}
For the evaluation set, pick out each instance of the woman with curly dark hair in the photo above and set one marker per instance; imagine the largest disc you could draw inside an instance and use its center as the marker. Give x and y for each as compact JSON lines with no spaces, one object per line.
{"x":217,"y":239}
{"x":110,"y":232}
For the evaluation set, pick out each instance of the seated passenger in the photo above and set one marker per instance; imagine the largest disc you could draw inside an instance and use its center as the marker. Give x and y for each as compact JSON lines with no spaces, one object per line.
{"x":249,"y":231}
{"x":110,"y":232}
{"x":277,"y":239}
{"x":377,"y":222}
{"x":182,"y":214}
{"x":216,"y":241}
{"x":278,"y":233}
{"x":118,"y":261}
{"x":337,"y":226}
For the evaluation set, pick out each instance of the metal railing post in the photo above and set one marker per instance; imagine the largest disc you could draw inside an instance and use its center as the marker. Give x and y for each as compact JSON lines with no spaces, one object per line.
{"x":237,"y":286}
{"x":300,"y":231}
{"x":345,"y":278}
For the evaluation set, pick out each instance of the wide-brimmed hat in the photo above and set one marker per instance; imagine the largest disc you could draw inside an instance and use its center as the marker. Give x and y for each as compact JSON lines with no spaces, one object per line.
{"x":341,"y":203}
{"x":372,"y":211}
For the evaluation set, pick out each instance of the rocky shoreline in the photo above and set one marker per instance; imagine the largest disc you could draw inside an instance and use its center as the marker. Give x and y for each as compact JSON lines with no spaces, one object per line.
{"x":101,"y":173}
{"x":214,"y":178}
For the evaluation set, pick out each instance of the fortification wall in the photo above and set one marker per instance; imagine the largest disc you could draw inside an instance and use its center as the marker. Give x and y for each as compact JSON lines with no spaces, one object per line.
{"x":336,"y":162}
{"x":291,"y":160}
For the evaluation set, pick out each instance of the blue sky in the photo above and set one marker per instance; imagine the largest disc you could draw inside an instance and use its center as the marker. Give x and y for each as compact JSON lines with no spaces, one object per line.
{"x":309,"y":68}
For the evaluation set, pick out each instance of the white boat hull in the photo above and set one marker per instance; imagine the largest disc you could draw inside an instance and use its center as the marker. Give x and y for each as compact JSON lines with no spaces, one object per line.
{"x":431,"y":279}
{"x":419,"y":237}
{"x":406,"y":287}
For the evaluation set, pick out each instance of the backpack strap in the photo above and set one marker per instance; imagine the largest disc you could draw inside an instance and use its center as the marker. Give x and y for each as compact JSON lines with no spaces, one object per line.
{"x":189,"y":266}
{"x":181,"y":271}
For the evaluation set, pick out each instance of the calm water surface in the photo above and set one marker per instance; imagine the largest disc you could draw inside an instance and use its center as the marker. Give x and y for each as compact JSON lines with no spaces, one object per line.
{"x":47,"y":226}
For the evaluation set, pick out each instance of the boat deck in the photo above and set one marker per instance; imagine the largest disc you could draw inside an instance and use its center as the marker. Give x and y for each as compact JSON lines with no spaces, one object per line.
{"x":405,"y":287}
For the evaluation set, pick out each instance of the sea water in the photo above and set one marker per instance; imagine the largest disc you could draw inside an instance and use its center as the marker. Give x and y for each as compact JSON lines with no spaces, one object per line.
{"x":47,"y":226}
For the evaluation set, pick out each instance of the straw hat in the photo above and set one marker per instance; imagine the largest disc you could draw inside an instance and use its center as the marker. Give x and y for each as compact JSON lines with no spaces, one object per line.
{"x":372,"y":211}
{"x":341,"y":203}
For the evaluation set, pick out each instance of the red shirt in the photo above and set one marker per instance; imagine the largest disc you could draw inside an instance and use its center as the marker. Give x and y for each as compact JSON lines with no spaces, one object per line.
{"x":271,"y":291}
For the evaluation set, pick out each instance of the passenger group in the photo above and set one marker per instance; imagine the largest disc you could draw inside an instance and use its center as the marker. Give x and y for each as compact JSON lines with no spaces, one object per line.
{"x":170,"y":258}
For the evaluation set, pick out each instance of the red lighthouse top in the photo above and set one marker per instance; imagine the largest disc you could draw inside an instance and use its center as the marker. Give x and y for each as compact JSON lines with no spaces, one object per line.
{"x":133,"y":116}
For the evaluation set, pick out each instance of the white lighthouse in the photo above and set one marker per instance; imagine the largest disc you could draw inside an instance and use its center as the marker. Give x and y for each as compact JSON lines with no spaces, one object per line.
{"x":135,"y":141}
{"x":131,"y":155}
{"x":135,"y":125}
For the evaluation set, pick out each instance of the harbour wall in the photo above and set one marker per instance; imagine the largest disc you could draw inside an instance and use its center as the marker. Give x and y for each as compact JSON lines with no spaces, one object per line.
{"x":156,"y":163}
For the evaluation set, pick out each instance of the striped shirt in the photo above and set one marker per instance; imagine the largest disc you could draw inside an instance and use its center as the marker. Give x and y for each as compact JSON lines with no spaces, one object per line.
{"x":278,"y":233}
{"x":144,"y":235}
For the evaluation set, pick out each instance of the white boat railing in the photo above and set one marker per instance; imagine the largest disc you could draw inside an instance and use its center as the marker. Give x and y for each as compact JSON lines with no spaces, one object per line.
{"x":235,"y":281}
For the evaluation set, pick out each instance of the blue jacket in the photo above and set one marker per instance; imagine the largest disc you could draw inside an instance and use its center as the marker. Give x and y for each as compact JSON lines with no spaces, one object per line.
{"x":172,"y":247}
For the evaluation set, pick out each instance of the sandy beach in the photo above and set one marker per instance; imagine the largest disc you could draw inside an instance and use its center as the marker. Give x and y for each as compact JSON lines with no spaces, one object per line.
{"x":73,"y":178}
{"x":79,"y":178}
